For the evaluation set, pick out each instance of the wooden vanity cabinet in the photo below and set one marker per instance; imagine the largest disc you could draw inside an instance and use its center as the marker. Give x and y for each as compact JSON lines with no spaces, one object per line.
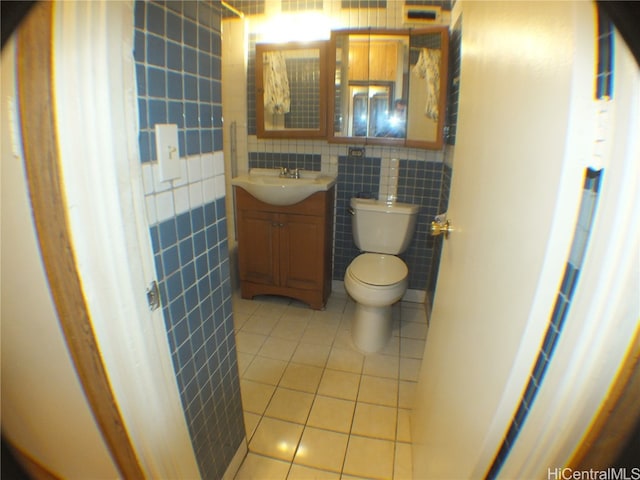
{"x":286,"y":250}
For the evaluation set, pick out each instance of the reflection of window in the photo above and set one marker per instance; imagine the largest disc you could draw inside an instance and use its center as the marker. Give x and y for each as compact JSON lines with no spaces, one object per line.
{"x":360,"y":114}
{"x":369,"y":107}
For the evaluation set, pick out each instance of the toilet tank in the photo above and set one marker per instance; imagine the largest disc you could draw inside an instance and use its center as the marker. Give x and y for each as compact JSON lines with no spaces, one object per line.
{"x":383,"y":228}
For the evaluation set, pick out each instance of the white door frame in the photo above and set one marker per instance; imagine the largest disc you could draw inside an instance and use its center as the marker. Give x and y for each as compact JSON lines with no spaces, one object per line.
{"x":96,"y":110}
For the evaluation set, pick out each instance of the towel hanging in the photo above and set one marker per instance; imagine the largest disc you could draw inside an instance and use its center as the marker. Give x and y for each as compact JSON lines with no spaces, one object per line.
{"x":276,"y":91}
{"x":428,"y":67}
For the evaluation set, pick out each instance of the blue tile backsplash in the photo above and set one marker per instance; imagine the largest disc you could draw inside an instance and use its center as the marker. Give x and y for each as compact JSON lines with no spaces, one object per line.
{"x":178,"y":66}
{"x":177,"y":49}
{"x":309,"y":161}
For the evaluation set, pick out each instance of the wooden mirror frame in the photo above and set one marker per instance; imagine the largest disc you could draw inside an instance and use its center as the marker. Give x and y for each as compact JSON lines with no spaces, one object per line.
{"x":299,"y":133}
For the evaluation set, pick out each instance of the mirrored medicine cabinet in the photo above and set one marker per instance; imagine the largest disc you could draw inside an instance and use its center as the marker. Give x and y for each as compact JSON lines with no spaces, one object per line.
{"x":377,"y":87}
{"x":389,"y":87}
{"x":291,"y":90}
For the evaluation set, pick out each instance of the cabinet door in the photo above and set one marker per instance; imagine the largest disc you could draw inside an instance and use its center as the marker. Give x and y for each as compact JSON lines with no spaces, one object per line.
{"x":302,"y":251}
{"x":258,"y":258}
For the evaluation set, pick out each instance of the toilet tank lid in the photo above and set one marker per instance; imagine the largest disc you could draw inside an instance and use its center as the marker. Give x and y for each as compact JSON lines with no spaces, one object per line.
{"x":382,"y":206}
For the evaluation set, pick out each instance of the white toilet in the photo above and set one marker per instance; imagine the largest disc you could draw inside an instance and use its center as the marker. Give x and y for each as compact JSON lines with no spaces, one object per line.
{"x":377,"y":279}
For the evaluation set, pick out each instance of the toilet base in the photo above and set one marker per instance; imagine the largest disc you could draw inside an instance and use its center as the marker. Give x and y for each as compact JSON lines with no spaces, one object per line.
{"x":371,"y":328}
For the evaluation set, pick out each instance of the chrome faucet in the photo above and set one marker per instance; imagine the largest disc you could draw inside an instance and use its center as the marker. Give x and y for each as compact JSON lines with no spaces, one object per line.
{"x":290,"y":173}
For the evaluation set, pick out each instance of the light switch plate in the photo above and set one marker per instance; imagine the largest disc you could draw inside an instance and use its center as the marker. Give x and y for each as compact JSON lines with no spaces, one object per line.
{"x":168,"y":151}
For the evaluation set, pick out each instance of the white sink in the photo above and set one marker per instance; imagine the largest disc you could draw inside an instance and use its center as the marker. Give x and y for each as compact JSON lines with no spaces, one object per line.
{"x":267,"y":185}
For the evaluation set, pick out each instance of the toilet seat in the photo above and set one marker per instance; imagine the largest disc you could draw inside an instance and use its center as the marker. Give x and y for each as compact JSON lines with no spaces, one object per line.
{"x":378,"y":270}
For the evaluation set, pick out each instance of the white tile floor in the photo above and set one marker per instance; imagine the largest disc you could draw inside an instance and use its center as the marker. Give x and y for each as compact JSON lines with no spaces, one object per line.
{"x":316,"y":408}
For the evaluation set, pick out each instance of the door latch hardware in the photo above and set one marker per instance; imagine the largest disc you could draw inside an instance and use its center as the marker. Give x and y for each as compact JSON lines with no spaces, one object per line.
{"x":153,"y":296}
{"x":439,"y":227}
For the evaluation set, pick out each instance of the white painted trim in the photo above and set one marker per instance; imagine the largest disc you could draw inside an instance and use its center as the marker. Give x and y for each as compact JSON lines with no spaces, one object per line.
{"x":95,"y":107}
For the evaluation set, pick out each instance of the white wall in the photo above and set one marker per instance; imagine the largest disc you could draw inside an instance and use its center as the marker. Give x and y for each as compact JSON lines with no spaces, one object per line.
{"x":44,"y":411}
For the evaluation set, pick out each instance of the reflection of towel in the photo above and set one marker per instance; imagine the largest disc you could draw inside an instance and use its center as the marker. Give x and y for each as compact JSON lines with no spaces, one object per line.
{"x":428,"y":67}
{"x":276,"y":90}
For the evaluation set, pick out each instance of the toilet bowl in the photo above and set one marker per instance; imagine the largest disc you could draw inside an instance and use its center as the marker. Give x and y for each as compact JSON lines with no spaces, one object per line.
{"x":377,"y":278}
{"x":375,"y":282}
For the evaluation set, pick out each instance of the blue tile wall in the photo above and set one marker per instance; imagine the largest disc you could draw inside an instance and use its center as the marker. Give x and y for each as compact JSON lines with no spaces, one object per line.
{"x":300,"y":5}
{"x":604,"y":77}
{"x":305,"y":93}
{"x":192,"y":263}
{"x":251,"y":86}
{"x":557,"y":318}
{"x":453,"y":92}
{"x":437,"y":243}
{"x":309,"y":161}
{"x":177,"y":50}
{"x":445,"y":5}
{"x":420,"y":183}
{"x":364,"y":4}
{"x":248,"y":7}
{"x":356,"y":177}
{"x":177,"y":54}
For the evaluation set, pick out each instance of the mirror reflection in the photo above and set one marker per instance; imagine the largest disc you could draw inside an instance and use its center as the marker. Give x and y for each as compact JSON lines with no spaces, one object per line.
{"x":371,"y":83}
{"x":290,"y":81}
{"x":426,"y":77}
{"x":389,"y":87}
